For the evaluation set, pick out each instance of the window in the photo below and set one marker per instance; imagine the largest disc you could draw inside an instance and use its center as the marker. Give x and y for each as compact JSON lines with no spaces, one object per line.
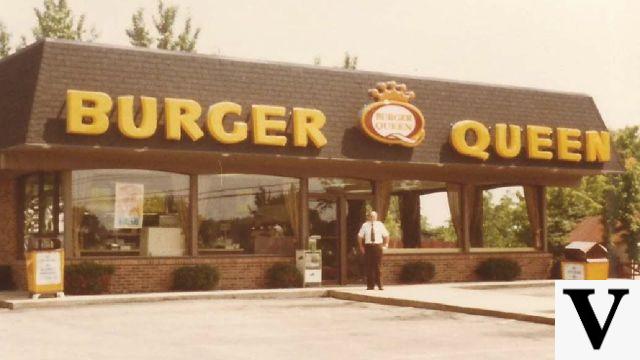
{"x":130,"y":212}
{"x":339,"y":186}
{"x":419,"y":216}
{"x":42,"y":206}
{"x":248,"y":214}
{"x":502,"y":221}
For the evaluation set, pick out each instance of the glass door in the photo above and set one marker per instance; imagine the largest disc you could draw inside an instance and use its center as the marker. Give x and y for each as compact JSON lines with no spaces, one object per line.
{"x":357,"y":209}
{"x":324,"y":221}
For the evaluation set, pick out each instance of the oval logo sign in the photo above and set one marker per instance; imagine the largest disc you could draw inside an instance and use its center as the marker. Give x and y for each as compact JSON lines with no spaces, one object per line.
{"x":392,"y":119}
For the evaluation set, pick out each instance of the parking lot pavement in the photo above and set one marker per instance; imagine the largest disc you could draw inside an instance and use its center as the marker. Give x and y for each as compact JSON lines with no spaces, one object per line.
{"x":318,"y":328}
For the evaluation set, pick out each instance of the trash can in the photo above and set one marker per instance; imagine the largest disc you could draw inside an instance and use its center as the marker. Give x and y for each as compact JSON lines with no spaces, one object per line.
{"x":45,"y":266}
{"x":309,"y":263}
{"x":585,"y":260}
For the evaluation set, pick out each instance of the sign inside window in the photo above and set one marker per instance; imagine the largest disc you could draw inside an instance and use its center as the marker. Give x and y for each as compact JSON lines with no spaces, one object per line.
{"x":129,"y":206}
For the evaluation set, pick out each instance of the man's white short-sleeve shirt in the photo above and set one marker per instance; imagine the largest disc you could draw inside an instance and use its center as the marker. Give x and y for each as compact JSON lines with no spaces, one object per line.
{"x":379,"y":230}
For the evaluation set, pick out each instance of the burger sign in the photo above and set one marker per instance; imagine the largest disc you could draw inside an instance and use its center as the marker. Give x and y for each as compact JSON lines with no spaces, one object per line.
{"x":391,"y":119}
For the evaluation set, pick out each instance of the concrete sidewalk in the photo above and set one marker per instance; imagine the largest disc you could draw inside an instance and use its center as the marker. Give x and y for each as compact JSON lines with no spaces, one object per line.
{"x":531,"y":301}
{"x":20,"y":300}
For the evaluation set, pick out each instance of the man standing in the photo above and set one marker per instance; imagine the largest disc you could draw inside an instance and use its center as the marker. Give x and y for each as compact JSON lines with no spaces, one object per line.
{"x":373,"y":235}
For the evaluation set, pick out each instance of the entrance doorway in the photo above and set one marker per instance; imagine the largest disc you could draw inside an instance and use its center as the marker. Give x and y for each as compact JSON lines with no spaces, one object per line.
{"x":337,"y":220}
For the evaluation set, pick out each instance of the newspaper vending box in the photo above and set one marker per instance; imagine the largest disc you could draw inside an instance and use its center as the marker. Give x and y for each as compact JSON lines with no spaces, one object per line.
{"x":309,"y":263}
{"x":45,"y":267}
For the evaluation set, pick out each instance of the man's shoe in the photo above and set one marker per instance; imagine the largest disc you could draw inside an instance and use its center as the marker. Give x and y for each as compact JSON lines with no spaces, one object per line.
{"x":371,"y":288}
{"x":380,"y":288}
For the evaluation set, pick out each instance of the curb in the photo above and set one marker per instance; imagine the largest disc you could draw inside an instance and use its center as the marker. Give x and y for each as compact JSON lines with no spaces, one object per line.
{"x":342,"y":295}
{"x":84,"y":300}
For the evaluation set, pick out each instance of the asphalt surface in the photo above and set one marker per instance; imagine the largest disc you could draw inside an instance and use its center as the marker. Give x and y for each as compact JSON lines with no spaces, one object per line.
{"x":319,"y":328}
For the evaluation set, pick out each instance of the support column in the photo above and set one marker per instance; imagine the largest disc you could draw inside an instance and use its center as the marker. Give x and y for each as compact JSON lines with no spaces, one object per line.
{"x":192,"y":237}
{"x":542,"y":196}
{"x":342,"y":246}
{"x":70,"y":248}
{"x":304,"y":214}
{"x":467,"y":211}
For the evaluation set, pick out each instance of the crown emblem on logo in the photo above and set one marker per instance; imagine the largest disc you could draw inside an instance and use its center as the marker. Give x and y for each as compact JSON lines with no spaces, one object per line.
{"x":390,"y":90}
{"x":391,"y":119}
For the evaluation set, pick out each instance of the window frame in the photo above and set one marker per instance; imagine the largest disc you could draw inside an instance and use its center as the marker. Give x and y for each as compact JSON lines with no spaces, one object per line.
{"x":494,"y":249}
{"x":77,"y":250}
{"x":204,"y":252}
{"x":57,"y":197}
{"x":453,"y":250}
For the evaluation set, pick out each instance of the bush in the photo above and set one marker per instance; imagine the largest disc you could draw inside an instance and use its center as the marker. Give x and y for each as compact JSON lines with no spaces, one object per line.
{"x":418,"y":272}
{"x":498,"y":269}
{"x":284,"y":276}
{"x":87,"y":278}
{"x":6,"y":281}
{"x":195,"y":278}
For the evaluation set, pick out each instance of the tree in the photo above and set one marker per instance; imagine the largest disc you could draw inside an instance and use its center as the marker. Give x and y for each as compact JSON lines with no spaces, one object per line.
{"x":505,"y":223}
{"x":138,"y":33}
{"x":164,"y":23}
{"x":56,"y":21}
{"x":350,"y":62}
{"x":568,"y":206}
{"x":624,"y":197}
{"x":5,"y":38}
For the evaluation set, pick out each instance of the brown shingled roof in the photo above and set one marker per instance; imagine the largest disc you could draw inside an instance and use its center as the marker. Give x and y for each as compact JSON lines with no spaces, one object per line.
{"x":34,"y":81}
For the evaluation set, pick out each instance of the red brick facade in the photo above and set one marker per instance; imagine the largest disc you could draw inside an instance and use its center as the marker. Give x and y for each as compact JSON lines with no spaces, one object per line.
{"x":244,"y":272}
{"x":8,"y":222}
{"x":152,"y":275}
{"x":9,"y":230}
{"x":461,"y":267}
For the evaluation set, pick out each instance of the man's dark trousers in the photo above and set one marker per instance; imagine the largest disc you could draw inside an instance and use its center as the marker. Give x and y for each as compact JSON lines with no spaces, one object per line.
{"x":372,"y":261}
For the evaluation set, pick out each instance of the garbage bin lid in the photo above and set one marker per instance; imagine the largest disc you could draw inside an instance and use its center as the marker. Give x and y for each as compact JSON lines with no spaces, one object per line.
{"x":585,"y":250}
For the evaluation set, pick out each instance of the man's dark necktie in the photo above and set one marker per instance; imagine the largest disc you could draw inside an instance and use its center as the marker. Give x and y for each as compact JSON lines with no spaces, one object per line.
{"x":373,"y":233}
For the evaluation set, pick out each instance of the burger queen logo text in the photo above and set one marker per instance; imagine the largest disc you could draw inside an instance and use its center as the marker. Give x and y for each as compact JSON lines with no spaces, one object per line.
{"x":391,"y":119}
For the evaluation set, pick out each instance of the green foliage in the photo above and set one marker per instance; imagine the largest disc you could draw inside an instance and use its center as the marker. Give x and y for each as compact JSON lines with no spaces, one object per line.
{"x":350,"y":62}
{"x":506,"y":222}
{"x":87,"y":278}
{"x":568,"y":206}
{"x":392,"y":221}
{"x":284,"y":275}
{"x":623,"y":214}
{"x":6,"y":280}
{"x":195,"y":278}
{"x":56,"y":21}
{"x":498,"y":269}
{"x":138,"y":33}
{"x":418,"y":272}
{"x":186,"y":40}
{"x":164,"y":23}
{"x":5,"y":38}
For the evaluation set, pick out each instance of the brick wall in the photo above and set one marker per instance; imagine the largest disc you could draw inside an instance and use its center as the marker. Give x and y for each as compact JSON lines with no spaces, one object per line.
{"x":149,"y":275}
{"x":8,"y":225}
{"x":460,"y":267}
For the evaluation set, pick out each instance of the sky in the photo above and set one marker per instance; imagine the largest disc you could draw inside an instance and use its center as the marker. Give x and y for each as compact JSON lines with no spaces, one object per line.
{"x":583,"y":46}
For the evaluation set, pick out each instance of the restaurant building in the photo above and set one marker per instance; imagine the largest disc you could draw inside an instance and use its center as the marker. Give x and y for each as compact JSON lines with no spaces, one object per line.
{"x":151,"y":160}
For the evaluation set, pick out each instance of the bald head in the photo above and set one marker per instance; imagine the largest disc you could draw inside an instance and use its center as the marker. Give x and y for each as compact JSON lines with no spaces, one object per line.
{"x":373,"y":216}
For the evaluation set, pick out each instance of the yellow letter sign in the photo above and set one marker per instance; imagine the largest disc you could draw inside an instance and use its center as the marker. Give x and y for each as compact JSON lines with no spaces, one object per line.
{"x":97,"y":113}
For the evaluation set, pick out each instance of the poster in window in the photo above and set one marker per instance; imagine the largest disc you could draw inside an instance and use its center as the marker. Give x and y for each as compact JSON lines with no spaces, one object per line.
{"x":129,"y":205}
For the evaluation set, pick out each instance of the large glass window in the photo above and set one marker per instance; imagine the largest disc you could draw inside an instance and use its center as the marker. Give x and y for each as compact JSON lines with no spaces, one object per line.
{"x":339,"y":186}
{"x":501,"y":218}
{"x":42,"y":206}
{"x":248,"y":214}
{"x":419,"y":215}
{"x":130,"y":212}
